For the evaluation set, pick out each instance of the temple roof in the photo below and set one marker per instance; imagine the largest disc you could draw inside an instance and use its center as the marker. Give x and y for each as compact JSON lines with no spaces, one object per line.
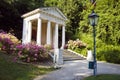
{"x":52,"y":11}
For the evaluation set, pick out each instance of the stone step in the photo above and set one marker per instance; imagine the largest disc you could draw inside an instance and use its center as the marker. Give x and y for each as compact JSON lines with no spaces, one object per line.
{"x":68,"y":56}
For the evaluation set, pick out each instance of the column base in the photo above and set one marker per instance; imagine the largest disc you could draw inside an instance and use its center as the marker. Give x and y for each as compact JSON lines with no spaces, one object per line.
{"x":58,"y":56}
{"x":62,"y":47}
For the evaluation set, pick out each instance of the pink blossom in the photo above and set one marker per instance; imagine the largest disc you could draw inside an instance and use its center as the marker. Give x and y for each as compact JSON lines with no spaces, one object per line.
{"x":28,"y":59}
{"x":19,"y":53}
{"x":15,"y":59}
{"x":36,"y":55}
{"x":3,"y":47}
{"x":35,"y":59}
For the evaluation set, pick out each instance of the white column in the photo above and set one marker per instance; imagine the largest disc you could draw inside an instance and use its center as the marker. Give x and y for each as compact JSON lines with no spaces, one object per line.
{"x":63,"y":37}
{"x":58,"y":58}
{"x":56,"y":37}
{"x":39,"y":31}
{"x":48,"y":38}
{"x":29,"y":31}
{"x":24,"y":31}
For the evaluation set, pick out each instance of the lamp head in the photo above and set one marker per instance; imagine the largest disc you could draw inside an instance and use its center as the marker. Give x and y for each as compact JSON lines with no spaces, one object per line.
{"x":93,"y":18}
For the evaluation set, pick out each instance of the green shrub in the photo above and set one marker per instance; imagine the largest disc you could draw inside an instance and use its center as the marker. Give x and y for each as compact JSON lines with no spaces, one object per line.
{"x":88,"y":39}
{"x":112,"y":56}
{"x":109,"y":53}
{"x":81,"y":51}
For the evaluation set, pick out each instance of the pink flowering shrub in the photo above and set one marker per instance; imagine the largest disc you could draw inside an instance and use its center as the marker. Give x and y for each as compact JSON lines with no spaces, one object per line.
{"x":26,"y":52}
{"x":75,"y":44}
{"x":7,"y":42}
{"x":30,"y":52}
{"x":48,"y":47}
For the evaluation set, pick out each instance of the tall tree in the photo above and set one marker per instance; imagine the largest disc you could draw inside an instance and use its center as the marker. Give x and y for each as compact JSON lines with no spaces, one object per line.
{"x":8,"y":14}
{"x":108,"y":28}
{"x":11,"y":11}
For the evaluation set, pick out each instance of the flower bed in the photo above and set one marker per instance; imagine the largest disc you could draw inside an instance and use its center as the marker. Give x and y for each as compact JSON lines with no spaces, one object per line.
{"x":26,"y":52}
{"x":30,"y":52}
{"x":77,"y":46}
{"x":7,"y":42}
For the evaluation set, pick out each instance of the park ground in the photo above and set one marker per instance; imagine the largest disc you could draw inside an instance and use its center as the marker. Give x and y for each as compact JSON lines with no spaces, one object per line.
{"x":78,"y":69}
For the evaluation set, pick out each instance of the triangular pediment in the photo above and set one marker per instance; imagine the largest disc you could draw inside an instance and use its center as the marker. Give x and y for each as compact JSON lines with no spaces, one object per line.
{"x":54,"y":11}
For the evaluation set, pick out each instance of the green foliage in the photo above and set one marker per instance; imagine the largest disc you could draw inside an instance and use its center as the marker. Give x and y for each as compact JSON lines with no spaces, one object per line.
{"x":109,"y":53}
{"x":103,"y":77}
{"x":112,"y":56}
{"x":108,"y":28}
{"x":81,"y":51}
{"x":87,"y":38}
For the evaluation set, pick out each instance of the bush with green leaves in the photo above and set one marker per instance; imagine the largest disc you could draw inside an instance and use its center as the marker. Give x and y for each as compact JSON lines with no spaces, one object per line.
{"x":112,"y":56}
{"x":104,"y":52}
{"x":109,"y":53}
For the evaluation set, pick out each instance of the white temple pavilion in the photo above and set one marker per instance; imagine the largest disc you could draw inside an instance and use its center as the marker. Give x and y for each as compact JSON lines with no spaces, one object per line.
{"x":42,"y":26}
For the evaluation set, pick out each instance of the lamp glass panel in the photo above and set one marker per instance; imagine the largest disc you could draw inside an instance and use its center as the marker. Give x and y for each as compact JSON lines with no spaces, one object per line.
{"x":96,"y":20}
{"x":92,"y":21}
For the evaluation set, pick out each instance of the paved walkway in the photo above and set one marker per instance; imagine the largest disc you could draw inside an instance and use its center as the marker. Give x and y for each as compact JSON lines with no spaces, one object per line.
{"x":76,"y":70}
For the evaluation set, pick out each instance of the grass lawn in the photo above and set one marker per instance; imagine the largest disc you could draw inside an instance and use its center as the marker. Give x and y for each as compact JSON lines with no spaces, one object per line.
{"x":104,"y":77}
{"x":10,"y":70}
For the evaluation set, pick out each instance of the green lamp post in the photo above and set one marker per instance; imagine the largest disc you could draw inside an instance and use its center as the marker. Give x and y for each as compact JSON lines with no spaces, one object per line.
{"x":93,"y":19}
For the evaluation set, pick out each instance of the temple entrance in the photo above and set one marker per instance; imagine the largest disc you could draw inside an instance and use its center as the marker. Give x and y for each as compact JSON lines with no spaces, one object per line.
{"x":34,"y":31}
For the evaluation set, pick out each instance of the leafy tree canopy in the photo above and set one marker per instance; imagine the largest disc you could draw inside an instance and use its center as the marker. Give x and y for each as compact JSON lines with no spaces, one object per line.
{"x":108,"y":28}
